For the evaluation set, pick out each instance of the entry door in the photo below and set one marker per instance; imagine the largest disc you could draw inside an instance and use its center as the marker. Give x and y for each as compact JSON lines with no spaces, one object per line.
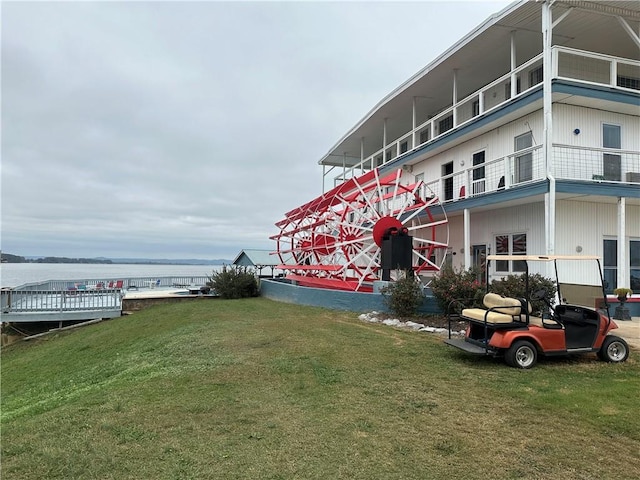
{"x":480,"y":261}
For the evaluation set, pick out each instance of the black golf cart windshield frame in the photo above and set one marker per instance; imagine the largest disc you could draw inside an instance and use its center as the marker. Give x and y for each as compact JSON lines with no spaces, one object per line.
{"x":550,"y":258}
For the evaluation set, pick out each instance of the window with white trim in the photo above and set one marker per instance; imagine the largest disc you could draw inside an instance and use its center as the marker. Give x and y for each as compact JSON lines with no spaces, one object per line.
{"x":524,"y":161}
{"x":611,"y":162}
{"x":510,"y":244}
{"x":610,"y":265}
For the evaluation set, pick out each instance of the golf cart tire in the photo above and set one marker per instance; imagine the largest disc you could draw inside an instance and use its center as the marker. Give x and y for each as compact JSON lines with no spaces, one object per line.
{"x":614,"y":349}
{"x":521,"y":354}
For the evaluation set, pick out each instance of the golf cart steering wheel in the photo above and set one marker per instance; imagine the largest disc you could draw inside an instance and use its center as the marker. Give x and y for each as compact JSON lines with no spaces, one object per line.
{"x":539,"y":294}
{"x":542,"y":295}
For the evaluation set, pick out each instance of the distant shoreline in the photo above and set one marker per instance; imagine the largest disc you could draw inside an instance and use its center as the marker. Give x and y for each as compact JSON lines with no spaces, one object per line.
{"x":9,"y":258}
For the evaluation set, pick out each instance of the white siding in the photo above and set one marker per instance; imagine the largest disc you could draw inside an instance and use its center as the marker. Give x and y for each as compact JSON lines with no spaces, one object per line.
{"x":585,"y":225}
{"x":567,"y":118}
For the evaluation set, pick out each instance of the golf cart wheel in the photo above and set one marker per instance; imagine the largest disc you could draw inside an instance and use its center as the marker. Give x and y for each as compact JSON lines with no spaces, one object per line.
{"x":614,"y":349}
{"x":522,"y":354}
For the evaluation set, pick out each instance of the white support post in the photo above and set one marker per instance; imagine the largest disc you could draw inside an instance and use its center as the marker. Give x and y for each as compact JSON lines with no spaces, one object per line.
{"x":623,"y":274}
{"x":344,"y":167}
{"x":361,"y":155}
{"x":455,"y":97}
{"x":384,"y":141}
{"x":550,"y":197}
{"x":467,"y":239}
{"x":414,"y":119}
{"x":514,"y":65}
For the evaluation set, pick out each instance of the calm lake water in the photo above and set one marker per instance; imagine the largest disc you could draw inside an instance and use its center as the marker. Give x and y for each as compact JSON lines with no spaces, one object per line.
{"x":15,"y":274}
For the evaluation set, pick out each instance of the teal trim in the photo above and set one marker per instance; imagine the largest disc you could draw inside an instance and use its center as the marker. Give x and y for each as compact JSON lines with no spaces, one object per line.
{"x":606,"y":189}
{"x":284,"y":291}
{"x":609,"y":94}
{"x":498,"y":197}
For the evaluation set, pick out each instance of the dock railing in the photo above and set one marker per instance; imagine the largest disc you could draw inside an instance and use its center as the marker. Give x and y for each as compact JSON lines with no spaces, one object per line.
{"x":62,"y":300}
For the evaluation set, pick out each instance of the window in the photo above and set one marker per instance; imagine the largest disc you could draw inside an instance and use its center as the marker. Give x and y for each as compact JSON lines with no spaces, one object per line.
{"x":628,"y":82}
{"x":447,"y":171}
{"x":507,"y":88}
{"x":610,"y":265}
{"x":404,"y":146}
{"x":475,"y":108}
{"x":445,"y":124}
{"x":424,"y":136}
{"x":611,"y":162}
{"x":524,"y":163}
{"x":634,"y":265}
{"x":535,"y":76}
{"x":423,"y":189}
{"x":511,"y":244}
{"x":478,"y":172}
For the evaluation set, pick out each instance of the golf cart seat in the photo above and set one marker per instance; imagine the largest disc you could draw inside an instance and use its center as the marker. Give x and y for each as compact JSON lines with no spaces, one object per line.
{"x":499,"y":309}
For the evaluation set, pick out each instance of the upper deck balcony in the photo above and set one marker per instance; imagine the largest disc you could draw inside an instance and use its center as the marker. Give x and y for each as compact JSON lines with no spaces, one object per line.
{"x":494,"y":104}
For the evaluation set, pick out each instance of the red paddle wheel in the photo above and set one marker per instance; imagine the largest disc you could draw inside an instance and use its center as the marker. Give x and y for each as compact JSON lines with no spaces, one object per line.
{"x":334,"y":241}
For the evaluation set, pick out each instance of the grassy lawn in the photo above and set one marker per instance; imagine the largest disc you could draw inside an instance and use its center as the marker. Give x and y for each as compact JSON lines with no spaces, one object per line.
{"x":257,"y":389}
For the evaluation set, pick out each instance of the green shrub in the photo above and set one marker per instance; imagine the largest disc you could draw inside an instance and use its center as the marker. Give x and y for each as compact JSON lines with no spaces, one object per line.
{"x":404,"y":296}
{"x":462,"y":286}
{"x":515,"y":286}
{"x":234,"y":282}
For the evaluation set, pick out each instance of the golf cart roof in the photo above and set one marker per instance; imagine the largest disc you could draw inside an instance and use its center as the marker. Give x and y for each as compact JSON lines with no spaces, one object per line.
{"x":542,"y":258}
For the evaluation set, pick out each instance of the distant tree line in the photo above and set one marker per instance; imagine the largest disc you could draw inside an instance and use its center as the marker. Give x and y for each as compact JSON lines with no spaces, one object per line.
{"x":8,"y":258}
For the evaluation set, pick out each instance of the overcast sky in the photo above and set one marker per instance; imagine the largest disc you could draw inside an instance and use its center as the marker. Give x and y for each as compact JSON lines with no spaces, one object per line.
{"x":186,"y":130}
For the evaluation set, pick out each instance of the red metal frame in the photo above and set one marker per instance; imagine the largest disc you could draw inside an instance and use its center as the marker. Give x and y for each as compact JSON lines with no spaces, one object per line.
{"x":334,"y":240}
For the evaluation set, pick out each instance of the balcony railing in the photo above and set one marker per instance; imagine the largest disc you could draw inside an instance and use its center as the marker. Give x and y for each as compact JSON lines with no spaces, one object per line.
{"x":527,"y":166}
{"x":570,"y":64}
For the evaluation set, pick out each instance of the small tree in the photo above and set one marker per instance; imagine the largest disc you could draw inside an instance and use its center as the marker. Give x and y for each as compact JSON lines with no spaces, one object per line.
{"x":462,"y":286}
{"x":234,"y":282}
{"x":404,"y":296}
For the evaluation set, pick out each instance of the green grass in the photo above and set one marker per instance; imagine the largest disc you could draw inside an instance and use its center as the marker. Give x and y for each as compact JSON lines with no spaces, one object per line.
{"x":255,"y":389}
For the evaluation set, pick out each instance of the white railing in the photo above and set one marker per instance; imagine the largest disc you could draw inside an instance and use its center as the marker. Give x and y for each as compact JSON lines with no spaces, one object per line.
{"x":84,"y":295}
{"x":528,"y":166}
{"x":124,"y":282}
{"x":61,"y":301}
{"x":600,"y":164}
{"x":525,"y":166}
{"x":570,"y":64}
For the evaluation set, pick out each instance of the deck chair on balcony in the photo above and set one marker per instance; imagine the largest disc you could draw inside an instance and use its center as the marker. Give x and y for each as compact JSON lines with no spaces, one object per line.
{"x":118,"y":284}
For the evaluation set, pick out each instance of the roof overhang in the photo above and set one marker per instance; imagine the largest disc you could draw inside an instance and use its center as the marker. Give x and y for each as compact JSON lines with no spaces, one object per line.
{"x":592,"y":26}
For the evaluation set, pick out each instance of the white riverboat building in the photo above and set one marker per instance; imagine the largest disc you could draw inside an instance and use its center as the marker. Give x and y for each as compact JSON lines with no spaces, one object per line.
{"x":528,"y":130}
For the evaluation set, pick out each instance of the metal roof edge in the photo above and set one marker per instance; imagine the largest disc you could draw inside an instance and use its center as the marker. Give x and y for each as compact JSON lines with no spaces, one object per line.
{"x":489,"y":22}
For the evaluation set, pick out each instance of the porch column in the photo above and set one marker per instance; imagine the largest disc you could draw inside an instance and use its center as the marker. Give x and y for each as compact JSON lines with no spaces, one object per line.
{"x":550,"y":197}
{"x":467,"y":239}
{"x":455,"y":97}
{"x":384,"y":141}
{"x":514,"y":65}
{"x":623,"y":273}
{"x":413,"y":124}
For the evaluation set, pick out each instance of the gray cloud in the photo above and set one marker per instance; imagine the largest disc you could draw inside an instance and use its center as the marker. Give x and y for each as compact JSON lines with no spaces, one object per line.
{"x":179,"y":129}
